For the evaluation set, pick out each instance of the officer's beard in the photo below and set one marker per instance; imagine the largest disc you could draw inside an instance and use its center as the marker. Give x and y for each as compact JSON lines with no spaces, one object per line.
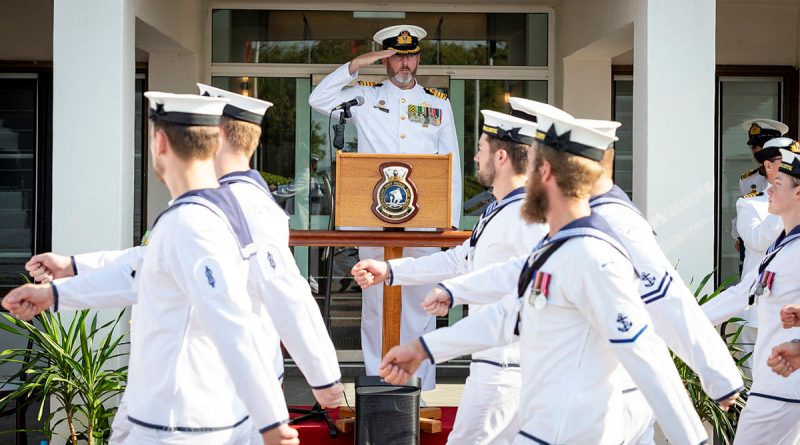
{"x":403,"y":77}
{"x":486,"y":174}
{"x":535,"y":204}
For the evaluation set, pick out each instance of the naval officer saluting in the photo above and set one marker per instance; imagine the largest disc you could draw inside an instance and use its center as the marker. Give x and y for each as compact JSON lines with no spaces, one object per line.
{"x":398,"y":116}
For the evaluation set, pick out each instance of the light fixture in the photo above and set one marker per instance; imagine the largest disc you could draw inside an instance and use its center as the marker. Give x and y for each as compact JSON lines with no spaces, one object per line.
{"x":245,"y":85}
{"x":378,"y":15}
{"x":506,"y":97}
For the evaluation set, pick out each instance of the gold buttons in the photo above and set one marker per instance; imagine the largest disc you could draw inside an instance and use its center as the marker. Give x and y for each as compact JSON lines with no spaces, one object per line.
{"x":402,"y":117}
{"x":402,"y":136}
{"x":403,"y":100}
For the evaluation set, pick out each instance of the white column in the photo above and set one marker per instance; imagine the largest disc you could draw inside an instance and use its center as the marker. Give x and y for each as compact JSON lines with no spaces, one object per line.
{"x":93,"y":125}
{"x":673,"y":128}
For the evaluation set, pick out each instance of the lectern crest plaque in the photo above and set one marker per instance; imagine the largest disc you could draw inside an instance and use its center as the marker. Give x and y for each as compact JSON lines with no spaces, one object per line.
{"x":395,"y":196}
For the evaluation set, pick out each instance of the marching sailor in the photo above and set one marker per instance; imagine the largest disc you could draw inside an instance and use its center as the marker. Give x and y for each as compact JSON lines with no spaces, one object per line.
{"x":576,"y":311}
{"x":773,"y":405}
{"x":491,"y":393}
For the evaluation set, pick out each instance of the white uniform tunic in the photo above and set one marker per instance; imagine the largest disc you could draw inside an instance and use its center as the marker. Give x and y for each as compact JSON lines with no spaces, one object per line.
{"x":572,"y":348}
{"x":195,"y":364}
{"x":773,"y":408}
{"x":752,"y":181}
{"x":390,"y":121}
{"x":491,"y":393}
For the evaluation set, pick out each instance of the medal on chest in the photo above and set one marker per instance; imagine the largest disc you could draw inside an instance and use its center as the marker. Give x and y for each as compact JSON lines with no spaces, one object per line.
{"x":540,"y":290}
{"x":764,"y":286}
{"x":425,"y":115}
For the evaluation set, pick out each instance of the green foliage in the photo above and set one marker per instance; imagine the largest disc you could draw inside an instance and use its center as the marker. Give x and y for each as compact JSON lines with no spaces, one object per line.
{"x":722,"y":422}
{"x":273,"y":179}
{"x":70,"y":364}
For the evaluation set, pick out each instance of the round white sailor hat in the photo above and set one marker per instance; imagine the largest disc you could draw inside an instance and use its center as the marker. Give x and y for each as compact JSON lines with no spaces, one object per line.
{"x":528,"y":109}
{"x":760,"y":131}
{"x":402,"y":38}
{"x":243,"y":108}
{"x":508,"y":128}
{"x":185,"y":109}
{"x":607,"y":127}
{"x":790,"y":163}
{"x":567,"y":135}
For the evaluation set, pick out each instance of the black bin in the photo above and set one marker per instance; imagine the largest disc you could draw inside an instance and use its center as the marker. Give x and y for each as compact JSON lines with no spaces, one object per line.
{"x":387,"y":414}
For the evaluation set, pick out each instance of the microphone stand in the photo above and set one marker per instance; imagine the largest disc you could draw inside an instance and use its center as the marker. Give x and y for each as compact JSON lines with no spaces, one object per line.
{"x":317,"y":412}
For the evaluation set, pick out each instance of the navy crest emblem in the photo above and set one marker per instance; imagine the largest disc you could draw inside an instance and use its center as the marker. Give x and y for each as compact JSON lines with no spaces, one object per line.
{"x":395,"y":196}
{"x":624,"y":323}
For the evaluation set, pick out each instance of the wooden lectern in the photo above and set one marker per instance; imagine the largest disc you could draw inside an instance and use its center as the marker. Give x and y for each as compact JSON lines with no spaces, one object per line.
{"x":393,"y":191}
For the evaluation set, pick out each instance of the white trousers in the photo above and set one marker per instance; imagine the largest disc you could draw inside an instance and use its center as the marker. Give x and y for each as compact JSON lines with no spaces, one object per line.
{"x":639,"y":419}
{"x":121,"y":426}
{"x":239,"y":435}
{"x":488,"y":407}
{"x":767,"y":421}
{"x":414,"y":321}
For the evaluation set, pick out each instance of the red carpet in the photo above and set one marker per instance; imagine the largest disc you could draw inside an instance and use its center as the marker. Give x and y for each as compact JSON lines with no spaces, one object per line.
{"x":316,"y":432}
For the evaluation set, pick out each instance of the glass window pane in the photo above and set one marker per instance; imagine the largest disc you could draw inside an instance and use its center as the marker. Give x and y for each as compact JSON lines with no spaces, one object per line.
{"x":17,"y":176}
{"x":740,"y":100}
{"x":138,"y":162}
{"x":623,"y":156}
{"x":492,"y":95}
{"x":335,"y":37}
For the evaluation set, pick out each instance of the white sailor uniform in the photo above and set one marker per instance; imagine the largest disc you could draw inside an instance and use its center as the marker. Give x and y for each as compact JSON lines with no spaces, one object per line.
{"x":677,"y":318}
{"x":773,"y":406}
{"x":414,"y":121}
{"x":489,"y":402}
{"x":752,"y":181}
{"x":579,"y":317}
{"x":196,"y":368}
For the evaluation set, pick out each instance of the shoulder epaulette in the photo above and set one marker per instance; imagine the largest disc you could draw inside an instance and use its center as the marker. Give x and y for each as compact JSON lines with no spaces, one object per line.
{"x":437,"y":93}
{"x":752,"y":195}
{"x":364,"y":83}
{"x":749,"y":173}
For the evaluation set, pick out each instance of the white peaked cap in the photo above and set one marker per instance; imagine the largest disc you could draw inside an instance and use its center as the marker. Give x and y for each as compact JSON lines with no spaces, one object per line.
{"x":568,"y":135}
{"x":248,"y":109}
{"x":508,"y":127}
{"x":766,"y":124}
{"x":394,"y":31}
{"x":185,"y":109}
{"x":607,"y":127}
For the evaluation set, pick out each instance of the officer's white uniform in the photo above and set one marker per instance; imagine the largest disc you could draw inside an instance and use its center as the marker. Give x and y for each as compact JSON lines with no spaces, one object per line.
{"x":752,"y":181}
{"x":572,"y":348}
{"x":773,"y":407}
{"x":393,"y":121}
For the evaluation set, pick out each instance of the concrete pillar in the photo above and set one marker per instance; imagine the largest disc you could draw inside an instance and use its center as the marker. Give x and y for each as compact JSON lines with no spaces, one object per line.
{"x":587,"y":87}
{"x":172,"y":72}
{"x":673,"y":128}
{"x":93,"y":125}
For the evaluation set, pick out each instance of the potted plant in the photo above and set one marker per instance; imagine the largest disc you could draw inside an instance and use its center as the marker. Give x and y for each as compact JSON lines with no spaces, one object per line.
{"x":70,"y":364}
{"x":723,"y":423}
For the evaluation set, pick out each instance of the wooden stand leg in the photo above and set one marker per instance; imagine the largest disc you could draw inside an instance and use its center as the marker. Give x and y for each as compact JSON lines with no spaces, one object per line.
{"x":392,"y":306}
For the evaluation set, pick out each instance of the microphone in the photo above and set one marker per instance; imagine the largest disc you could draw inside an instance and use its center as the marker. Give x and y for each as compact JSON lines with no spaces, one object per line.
{"x":354,"y":102}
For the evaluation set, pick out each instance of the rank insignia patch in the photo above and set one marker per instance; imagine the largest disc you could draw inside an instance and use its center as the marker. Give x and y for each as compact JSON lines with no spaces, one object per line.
{"x":395,"y":196}
{"x":210,"y":277}
{"x":271,"y":260}
{"x":624,"y":325}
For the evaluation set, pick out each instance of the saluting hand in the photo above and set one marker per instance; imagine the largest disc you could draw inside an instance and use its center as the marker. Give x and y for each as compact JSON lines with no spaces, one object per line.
{"x":400,"y":363}
{"x":45,"y":267}
{"x":368,"y":59}
{"x":437,"y":302}
{"x":28,"y":301}
{"x":790,"y":316}
{"x":785,"y":358}
{"x":369,"y":272}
